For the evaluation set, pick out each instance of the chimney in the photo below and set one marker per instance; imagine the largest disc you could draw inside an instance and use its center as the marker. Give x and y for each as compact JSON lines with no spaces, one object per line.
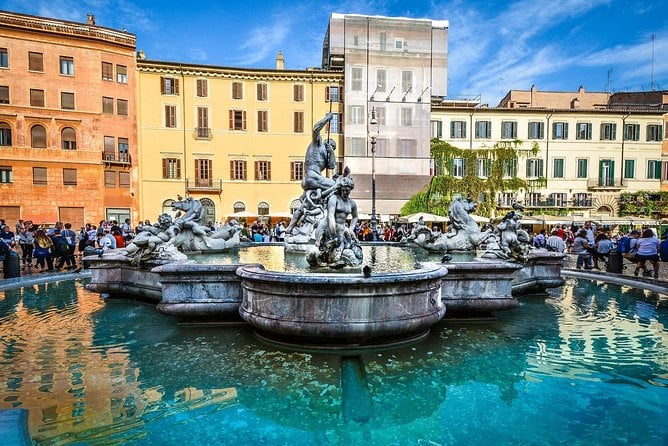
{"x":91,"y":19}
{"x":280,"y":62}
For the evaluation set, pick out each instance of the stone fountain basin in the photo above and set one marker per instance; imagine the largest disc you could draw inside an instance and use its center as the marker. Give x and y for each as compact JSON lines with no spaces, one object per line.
{"x":331,"y":309}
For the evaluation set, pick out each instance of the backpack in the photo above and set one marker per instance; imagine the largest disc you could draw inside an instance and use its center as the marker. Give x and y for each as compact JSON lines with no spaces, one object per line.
{"x":624,"y":245}
{"x":663,"y":250}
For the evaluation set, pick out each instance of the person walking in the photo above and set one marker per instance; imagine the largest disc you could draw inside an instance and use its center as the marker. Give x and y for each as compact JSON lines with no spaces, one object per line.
{"x":648,"y":250}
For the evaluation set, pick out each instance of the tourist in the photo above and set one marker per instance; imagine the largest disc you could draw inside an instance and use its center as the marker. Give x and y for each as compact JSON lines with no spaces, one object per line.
{"x":663,"y":247}
{"x":42,"y":252}
{"x":555,"y":242}
{"x":539,"y":240}
{"x":26,"y":241}
{"x":107,"y":241}
{"x":603,"y":247}
{"x":647,"y":250}
{"x":71,"y":238}
{"x":581,"y":248}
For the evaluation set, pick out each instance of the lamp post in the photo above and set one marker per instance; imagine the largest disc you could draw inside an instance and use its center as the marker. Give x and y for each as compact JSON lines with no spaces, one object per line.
{"x":373,"y":122}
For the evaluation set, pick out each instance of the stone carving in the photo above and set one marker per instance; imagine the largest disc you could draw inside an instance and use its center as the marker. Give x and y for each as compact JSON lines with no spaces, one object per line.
{"x":168,"y":238}
{"x":317,"y":187}
{"x":336,"y":245}
{"x":510,"y":241}
{"x":463,"y":232}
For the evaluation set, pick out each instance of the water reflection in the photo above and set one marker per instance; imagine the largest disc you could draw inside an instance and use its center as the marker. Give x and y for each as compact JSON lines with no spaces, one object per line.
{"x":116,"y":372}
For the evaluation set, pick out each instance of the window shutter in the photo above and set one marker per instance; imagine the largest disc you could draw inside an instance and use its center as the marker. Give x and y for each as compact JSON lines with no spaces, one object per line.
{"x":38,"y":137}
{"x":268,"y":171}
{"x":178,"y":168}
{"x":67,"y":101}
{"x":37,"y":98}
{"x":243,"y":117}
{"x":124,"y":179}
{"x":35,"y":62}
{"x":70,"y":177}
{"x":162,"y":84}
{"x":165,"y":168}
{"x":176,"y":86}
{"x":4,"y":95}
{"x":327,"y":96}
{"x":39,"y":175}
{"x":231,"y":119}
{"x":107,"y":71}
{"x":257,"y":170}
{"x":109,"y":178}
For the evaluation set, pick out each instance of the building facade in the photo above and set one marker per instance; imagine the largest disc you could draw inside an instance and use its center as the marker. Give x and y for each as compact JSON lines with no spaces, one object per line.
{"x":392,"y":68}
{"x":68,"y":142}
{"x":233,"y":138}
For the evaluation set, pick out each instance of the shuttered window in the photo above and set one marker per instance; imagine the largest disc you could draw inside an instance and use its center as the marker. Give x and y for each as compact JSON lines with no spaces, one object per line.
{"x":237,"y":120}
{"x":108,"y":106}
{"x":171,"y":168}
{"x":262,"y":92}
{"x":5,"y":134}
{"x":109,"y":179}
{"x":69,"y":138}
{"x":170,"y":116}
{"x":202,"y":88}
{"x":122,"y":74}
{"x":169,"y":85}
{"x":238,"y":170}
{"x":39,"y":176}
{"x":203,"y":172}
{"x":69,"y":177}
{"x":122,"y":107}
{"x":109,"y":148}
{"x":4,"y":94}
{"x":124,"y":180}
{"x":262,"y":121}
{"x":107,"y":71}
{"x":36,"y":98}
{"x":299,"y":122}
{"x":67,"y":101}
{"x":263,"y":170}
{"x":298,"y":94}
{"x":237,"y":90}
{"x":296,"y":170}
{"x":38,"y":137}
{"x":35,"y":61}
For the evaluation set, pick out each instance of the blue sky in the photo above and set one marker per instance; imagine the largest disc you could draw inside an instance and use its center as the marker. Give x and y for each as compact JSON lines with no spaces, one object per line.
{"x":494,"y":46}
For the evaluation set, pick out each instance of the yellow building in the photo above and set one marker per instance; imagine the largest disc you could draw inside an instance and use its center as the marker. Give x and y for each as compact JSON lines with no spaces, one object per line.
{"x":233,"y":138}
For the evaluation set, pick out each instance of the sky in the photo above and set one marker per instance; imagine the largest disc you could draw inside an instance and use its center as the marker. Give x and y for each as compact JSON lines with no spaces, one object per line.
{"x":493,"y":46}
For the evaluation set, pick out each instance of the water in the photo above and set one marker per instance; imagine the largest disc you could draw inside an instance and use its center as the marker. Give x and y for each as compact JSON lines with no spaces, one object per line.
{"x":586,"y":366}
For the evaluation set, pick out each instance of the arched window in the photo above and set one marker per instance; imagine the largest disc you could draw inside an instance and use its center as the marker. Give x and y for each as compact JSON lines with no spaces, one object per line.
{"x":239,"y":207}
{"x":209,"y":211}
{"x":167,"y":207}
{"x":38,"y":137}
{"x":5,"y":134}
{"x":262,"y":209}
{"x":69,"y":138}
{"x":296,"y":204}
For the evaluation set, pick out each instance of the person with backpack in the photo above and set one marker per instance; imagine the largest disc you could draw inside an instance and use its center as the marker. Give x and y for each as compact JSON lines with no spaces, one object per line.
{"x":663,"y":246}
{"x":60,"y":249}
{"x":71,"y":238}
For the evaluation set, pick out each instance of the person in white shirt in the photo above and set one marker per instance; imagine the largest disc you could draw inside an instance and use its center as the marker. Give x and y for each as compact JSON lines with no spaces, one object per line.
{"x":555,"y":243}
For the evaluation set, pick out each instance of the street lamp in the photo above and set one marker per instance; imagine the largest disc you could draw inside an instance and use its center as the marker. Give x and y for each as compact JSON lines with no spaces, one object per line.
{"x":373,"y":122}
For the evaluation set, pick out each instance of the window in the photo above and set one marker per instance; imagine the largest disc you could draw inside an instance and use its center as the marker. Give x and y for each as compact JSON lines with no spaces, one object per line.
{"x":533,"y":199}
{"x":38,"y":137}
{"x":508,"y":130}
{"x":458,"y":167}
{"x":298,"y":93}
{"x":39,"y":176}
{"x":298,"y":122}
{"x":335,"y":123}
{"x":262,"y":92}
{"x":169,"y":85}
{"x":202,"y":88}
{"x":202,"y":123}
{"x":406,"y":81}
{"x":263,"y":170}
{"x":171,"y":168}
{"x":109,"y":148}
{"x":69,"y":177}
{"x":629,"y":168}
{"x":356,"y":114}
{"x":240,"y":207}
{"x":170,"y":116}
{"x":124,"y":180}
{"x":203,"y":172}
{"x":582,"y":199}
{"x":437,"y":129}
{"x":558,"y":168}
{"x":457,"y":129}
{"x":534,"y":168}
{"x":332,"y":94}
{"x":653,"y":169}
{"x":654,"y":132}
{"x":5,"y":134}
{"x":237,"y":90}
{"x":107,"y":106}
{"x":558,"y":199}
{"x":509,"y":168}
{"x":262,"y":121}
{"x":296,"y":170}
{"x":408,"y":148}
{"x":582,"y":171}
{"x":262,"y":208}
{"x":66,"y":66}
{"x":122,"y":107}
{"x":4,"y":58}
{"x":67,"y":101}
{"x":380,"y":115}
{"x":107,"y":71}
{"x":664,"y":175}
{"x":606,"y":172}
{"x":631,"y":132}
{"x":4,"y":94}
{"x":608,"y":131}
{"x":536,"y":130}
{"x":36,"y":98}
{"x":121,"y":74}
{"x":238,"y":170}
{"x":583,"y":130}
{"x":68,"y":138}
{"x":381,"y":80}
{"x":560,"y":130}
{"x":383,"y":41}
{"x":356,"y":40}
{"x":123,"y":150}
{"x":406,"y":116}
{"x":237,"y":120}
{"x":356,"y":79}
{"x":483,"y":129}
{"x":35,"y":62}
{"x":506,"y":199}
{"x":109,"y":179}
{"x":357,"y":146}
{"x":6,"y":175}
{"x":483,"y":167}
{"x":399,"y":44}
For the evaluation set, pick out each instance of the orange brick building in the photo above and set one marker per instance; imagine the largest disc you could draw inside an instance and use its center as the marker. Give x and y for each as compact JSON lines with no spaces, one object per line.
{"x":68,"y":133}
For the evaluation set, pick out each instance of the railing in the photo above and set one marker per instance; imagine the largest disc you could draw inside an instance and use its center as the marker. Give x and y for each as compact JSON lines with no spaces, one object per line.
{"x":582,"y":202}
{"x":606,"y":183}
{"x":203,"y":133}
{"x":116,"y":158}
{"x":204,"y":184}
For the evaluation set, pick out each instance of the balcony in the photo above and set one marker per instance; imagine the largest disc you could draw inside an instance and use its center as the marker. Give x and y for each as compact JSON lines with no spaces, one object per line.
{"x":116,"y":159}
{"x":606,"y":184}
{"x":203,"y":133}
{"x":205,"y":185}
{"x":586,"y":202}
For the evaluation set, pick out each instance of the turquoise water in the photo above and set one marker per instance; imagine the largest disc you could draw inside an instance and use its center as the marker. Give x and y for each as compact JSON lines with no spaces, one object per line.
{"x":586,"y":366}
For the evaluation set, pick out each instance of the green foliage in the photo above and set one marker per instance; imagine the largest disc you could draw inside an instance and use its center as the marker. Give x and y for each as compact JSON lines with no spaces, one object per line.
{"x":644,"y":203}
